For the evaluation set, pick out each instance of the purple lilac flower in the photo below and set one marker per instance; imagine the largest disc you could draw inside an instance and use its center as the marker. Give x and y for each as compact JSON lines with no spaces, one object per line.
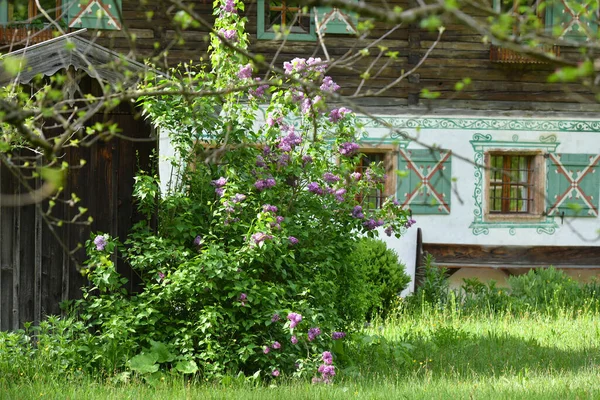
{"x":338,"y":335}
{"x":339,"y":195}
{"x":338,"y":113}
{"x":100,"y":242}
{"x":356,"y":176}
{"x":161,"y":276}
{"x":279,"y":219}
{"x":330,"y":178}
{"x":263,"y":184}
{"x":220,"y":191}
{"x":291,"y":140}
{"x":243,"y":296}
{"x":228,"y":34}
{"x":372,"y":224}
{"x":259,"y":91}
{"x":294,"y":340}
{"x":229,"y":207}
{"x":306,"y":105}
{"x":410,"y":223}
{"x":313,"y":187}
{"x":313,"y":333}
{"x":238,"y":198}
{"x":198,"y":240}
{"x":349,"y":149}
{"x":316,"y":380}
{"x":275,"y":317}
{"x":283,"y":161}
{"x":269,"y":208}
{"x":327,"y":371}
{"x":230,"y":221}
{"x":327,"y":357}
{"x":275,"y":373}
{"x":222,"y":181}
{"x":272,"y":120}
{"x":266,"y":151}
{"x":316,"y":63}
{"x":261,"y":237}
{"x":329,"y":85}
{"x":293,"y":240}
{"x":357,"y":212}
{"x":229,"y":6}
{"x":260,"y":161}
{"x":306,"y":160}
{"x":389,"y":230}
{"x":276,"y":345}
{"x":266,"y":349}
{"x":245,"y":72}
{"x":295,"y":319}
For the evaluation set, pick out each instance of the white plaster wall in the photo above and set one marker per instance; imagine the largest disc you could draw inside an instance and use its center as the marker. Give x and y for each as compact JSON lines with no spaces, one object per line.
{"x":454,"y":227}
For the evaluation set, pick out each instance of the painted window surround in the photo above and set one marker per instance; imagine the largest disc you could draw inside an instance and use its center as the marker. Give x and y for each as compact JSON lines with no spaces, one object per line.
{"x":484,"y":144}
{"x":539,"y":182}
{"x":261,"y":34}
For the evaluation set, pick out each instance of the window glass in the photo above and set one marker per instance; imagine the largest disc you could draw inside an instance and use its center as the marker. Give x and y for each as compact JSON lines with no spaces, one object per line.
{"x":288,"y":14}
{"x":511,"y":184}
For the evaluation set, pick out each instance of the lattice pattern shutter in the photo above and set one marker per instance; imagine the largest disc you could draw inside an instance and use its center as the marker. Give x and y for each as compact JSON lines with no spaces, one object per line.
{"x":573,"y":19}
{"x":95,"y":14}
{"x":573,"y":185}
{"x":333,"y":20}
{"x":427,"y":187}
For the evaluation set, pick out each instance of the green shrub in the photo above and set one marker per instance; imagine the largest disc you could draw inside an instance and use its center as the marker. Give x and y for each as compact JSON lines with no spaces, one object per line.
{"x":372,"y":278}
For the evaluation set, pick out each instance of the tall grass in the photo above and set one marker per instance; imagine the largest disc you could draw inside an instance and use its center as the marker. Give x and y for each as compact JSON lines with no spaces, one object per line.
{"x":434,"y":354}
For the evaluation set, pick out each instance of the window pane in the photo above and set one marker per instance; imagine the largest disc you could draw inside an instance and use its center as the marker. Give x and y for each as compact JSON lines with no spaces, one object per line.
{"x":288,"y":14}
{"x":511,"y":183}
{"x":18,"y":10}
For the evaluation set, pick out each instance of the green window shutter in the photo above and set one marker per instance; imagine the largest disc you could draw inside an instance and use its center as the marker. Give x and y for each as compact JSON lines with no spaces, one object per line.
{"x":336,"y":21}
{"x":425,"y":181}
{"x":573,"y":185}
{"x":572,"y":19}
{"x":95,"y":14}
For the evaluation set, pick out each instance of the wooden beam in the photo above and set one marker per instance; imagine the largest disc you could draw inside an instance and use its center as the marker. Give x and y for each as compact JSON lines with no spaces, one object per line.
{"x":514,"y":256}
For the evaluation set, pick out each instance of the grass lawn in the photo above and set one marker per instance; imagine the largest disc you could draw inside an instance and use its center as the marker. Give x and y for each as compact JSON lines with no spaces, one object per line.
{"x":452,"y":357}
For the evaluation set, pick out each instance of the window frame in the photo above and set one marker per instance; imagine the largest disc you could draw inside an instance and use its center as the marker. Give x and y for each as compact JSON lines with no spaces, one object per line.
{"x":390,"y":164}
{"x":538,"y":180}
{"x":262,"y":34}
{"x":33,"y":13}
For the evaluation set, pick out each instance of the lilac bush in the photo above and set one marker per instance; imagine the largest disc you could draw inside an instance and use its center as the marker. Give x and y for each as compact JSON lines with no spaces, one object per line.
{"x":256,"y":232}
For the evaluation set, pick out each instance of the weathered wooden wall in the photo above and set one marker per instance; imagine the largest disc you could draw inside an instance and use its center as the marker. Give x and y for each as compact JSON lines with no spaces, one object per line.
{"x":36,"y":272}
{"x":461,"y":53}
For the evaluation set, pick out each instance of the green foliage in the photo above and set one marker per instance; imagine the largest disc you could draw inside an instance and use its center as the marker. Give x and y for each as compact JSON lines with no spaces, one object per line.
{"x":370,"y":281}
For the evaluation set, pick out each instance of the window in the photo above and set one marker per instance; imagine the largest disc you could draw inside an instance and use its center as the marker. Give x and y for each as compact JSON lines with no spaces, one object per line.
{"x":274,"y":17}
{"x":571,"y":19}
{"x":27,"y":11}
{"x":515,"y":184}
{"x":384,"y":158}
{"x":92,"y":14}
{"x":511,"y":186}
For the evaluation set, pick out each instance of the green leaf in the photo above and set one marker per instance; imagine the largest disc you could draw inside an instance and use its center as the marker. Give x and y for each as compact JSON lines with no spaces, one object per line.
{"x":144,"y":363}
{"x":186,"y":367}
{"x":13,"y":65}
{"x":160,"y":349}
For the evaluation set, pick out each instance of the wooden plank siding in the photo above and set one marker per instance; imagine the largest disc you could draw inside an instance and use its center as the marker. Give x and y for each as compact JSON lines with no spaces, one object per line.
{"x":465,"y":256}
{"x":461,"y":53}
{"x":36,"y":271}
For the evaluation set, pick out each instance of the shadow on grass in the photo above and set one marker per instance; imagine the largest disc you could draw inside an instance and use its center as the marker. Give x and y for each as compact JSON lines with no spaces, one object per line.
{"x":451,"y":352}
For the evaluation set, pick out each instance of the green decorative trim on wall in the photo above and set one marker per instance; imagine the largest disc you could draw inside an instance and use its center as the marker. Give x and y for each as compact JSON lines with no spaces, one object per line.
{"x":483,"y":124}
{"x":480,"y":143}
{"x":261,"y":34}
